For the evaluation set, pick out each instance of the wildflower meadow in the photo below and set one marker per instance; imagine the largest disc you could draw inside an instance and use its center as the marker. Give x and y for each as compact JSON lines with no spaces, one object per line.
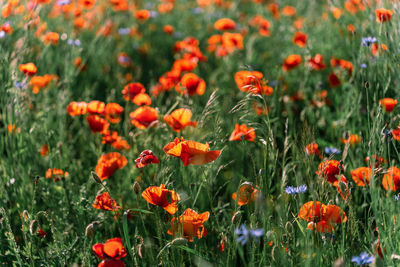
{"x":199,"y":133}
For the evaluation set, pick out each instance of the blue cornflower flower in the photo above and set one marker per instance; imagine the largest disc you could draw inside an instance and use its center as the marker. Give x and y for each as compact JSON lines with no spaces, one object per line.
{"x":332,"y":150}
{"x":397,"y":197}
{"x":2,"y":34}
{"x":367,"y":41}
{"x":363,"y":65}
{"x":63,"y":2}
{"x":197,"y":10}
{"x":363,"y":259}
{"x":153,"y":14}
{"x":20,"y":85}
{"x":124,"y":31}
{"x":296,"y":190}
{"x":244,"y":234}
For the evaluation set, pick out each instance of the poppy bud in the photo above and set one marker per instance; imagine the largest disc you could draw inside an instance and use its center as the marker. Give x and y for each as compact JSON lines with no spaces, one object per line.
{"x":25,"y":214}
{"x":96,"y":177}
{"x":136,"y":187}
{"x":33,"y":227}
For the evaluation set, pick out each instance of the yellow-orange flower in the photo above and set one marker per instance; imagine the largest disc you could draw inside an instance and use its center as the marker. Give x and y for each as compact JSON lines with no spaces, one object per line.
{"x":109,"y":163}
{"x":242,"y":132}
{"x":191,"y":152}
{"x":247,"y":194}
{"x":143,"y":117}
{"x":157,"y":195}
{"x":179,"y":119}
{"x":189,"y":225}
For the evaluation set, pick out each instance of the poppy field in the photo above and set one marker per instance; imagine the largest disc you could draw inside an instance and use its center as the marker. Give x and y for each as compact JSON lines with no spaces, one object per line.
{"x":199,"y":133}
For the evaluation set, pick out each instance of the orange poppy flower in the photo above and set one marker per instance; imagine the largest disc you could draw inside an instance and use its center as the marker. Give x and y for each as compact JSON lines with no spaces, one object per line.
{"x":11,"y":129}
{"x":168,"y":29}
{"x":190,"y":225}
{"x":224,"y":24}
{"x":328,"y":169}
{"x":44,"y":150}
{"x":243,"y":132}
{"x":56,"y":174}
{"x":104,"y":202}
{"x":51,"y":37}
{"x":88,"y":4}
{"x":251,"y":82}
{"x":300,"y":39}
{"x":388,"y":104}
{"x":131,"y":90}
{"x":96,"y":107}
{"x":361,"y":174}
{"x":179,"y":119}
{"x":391,"y":180}
{"x":38,"y":82}
{"x":383,"y":15}
{"x":289,"y":11}
{"x":321,"y":217}
{"x":113,"y":112}
{"x":115,"y":140}
{"x":142,"y":15}
{"x":77,"y":108}
{"x":312,"y":149}
{"x":28,"y":68}
{"x":191,"y":152}
{"x":142,"y":99}
{"x":110,"y":252}
{"x":353,"y":139}
{"x":321,"y":226}
{"x":312,"y":211}
{"x":97,"y":124}
{"x":291,"y":62}
{"x":247,"y":194}
{"x":109,"y":163}
{"x":157,"y":195}
{"x":317,"y":62}
{"x":191,"y":84}
{"x":232,"y":41}
{"x":144,"y":117}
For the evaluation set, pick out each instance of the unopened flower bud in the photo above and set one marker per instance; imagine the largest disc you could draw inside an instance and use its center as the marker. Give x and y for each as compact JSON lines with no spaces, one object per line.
{"x":33,"y":227}
{"x":136,"y":187}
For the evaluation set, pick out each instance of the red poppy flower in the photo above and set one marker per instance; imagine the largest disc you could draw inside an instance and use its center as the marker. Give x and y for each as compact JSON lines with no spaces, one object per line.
{"x":388,"y":104}
{"x":334,"y":80}
{"x":180,"y":119}
{"x":191,"y":152}
{"x":353,"y":139}
{"x":243,"y":132}
{"x":317,"y":62}
{"x":191,"y":84}
{"x":142,"y":15}
{"x":378,"y":160}
{"x":145,"y":158}
{"x":362,"y":175}
{"x":328,"y":169}
{"x":77,"y":108}
{"x":143,"y":117}
{"x":383,"y":15}
{"x":312,"y":149}
{"x":343,"y":187}
{"x":44,"y":150}
{"x":251,"y":82}
{"x":96,"y":107}
{"x":28,"y":68}
{"x":104,"y":202}
{"x":131,"y":90}
{"x":113,"y":112}
{"x":110,"y":252}
{"x":189,"y":225}
{"x":224,"y":24}
{"x":391,"y":180}
{"x":157,"y":195}
{"x":321,"y":217}
{"x":300,"y":39}
{"x":291,"y":62}
{"x":109,"y":163}
{"x":97,"y":124}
